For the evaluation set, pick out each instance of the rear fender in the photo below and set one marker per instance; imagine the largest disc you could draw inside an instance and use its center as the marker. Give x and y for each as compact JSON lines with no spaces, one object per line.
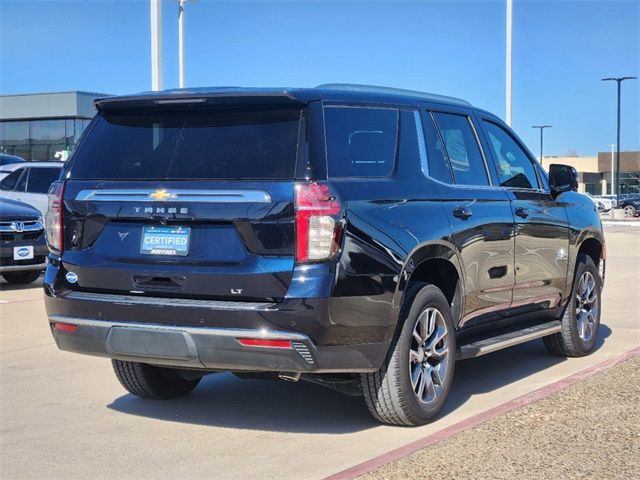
{"x":420,"y":254}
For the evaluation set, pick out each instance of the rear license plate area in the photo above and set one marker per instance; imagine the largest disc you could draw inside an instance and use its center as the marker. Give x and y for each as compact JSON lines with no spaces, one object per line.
{"x":166,"y":241}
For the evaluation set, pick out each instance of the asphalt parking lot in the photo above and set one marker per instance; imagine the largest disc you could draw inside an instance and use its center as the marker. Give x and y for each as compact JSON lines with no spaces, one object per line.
{"x":65,"y":416}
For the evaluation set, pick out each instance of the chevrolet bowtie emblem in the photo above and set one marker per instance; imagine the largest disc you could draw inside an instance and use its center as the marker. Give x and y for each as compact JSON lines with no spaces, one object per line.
{"x":161,"y":195}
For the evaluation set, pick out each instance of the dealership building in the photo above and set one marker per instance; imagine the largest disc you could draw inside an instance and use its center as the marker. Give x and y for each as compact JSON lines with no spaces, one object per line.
{"x":44,"y":126}
{"x":595,"y":171}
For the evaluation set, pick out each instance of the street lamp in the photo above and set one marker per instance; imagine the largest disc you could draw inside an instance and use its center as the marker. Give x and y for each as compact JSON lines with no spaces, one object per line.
{"x":156,"y":44}
{"x":509,"y":35}
{"x":613,"y":190}
{"x":181,"y":5}
{"x":541,"y":127}
{"x":619,"y":80}
{"x":181,"y":43}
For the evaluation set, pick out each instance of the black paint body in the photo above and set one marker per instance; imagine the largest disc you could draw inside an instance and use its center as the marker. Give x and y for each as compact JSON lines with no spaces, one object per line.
{"x":510,"y":270}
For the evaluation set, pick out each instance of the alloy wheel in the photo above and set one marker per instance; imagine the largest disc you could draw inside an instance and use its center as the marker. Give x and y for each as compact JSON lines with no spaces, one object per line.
{"x":629,"y":211}
{"x":429,"y":355}
{"x":586,"y":306}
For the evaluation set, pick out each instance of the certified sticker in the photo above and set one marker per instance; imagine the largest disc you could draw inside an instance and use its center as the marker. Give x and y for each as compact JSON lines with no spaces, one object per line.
{"x":71,"y":277}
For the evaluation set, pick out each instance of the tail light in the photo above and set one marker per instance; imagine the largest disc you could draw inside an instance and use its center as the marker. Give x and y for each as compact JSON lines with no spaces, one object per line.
{"x":318,"y":225}
{"x":53,"y":218}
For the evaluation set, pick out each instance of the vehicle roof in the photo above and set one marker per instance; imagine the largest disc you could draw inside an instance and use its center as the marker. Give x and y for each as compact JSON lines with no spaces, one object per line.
{"x":327,"y":92}
{"x":7,"y":155}
{"x":15,"y":166}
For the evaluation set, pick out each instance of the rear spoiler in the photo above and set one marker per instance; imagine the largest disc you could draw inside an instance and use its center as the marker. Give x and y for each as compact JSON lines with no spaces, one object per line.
{"x":231,"y":97}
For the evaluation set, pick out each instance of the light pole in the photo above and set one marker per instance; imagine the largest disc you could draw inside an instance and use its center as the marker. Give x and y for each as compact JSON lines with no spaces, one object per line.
{"x":156,"y":44}
{"x":181,"y":43}
{"x":613,"y":190}
{"x":619,"y":80}
{"x":508,"y":62}
{"x":541,"y":127}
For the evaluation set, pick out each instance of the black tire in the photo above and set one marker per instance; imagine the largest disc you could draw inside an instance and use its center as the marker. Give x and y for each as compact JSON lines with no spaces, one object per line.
{"x":568,"y":342}
{"x":150,"y":382}
{"x":388,"y":392}
{"x":22,"y":278}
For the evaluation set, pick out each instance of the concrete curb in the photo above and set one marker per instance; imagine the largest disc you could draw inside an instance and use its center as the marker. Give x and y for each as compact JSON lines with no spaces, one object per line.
{"x":474,"y":421}
{"x":625,"y":223}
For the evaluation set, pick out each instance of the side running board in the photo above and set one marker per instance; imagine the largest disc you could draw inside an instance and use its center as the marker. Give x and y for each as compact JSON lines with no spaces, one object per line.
{"x":506,"y":340}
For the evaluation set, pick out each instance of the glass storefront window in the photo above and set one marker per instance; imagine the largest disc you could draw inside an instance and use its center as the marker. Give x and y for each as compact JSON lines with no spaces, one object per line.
{"x":629,"y":182}
{"x":70,"y":133}
{"x":593,"y":188}
{"x":14,"y":133}
{"x":78,"y":129}
{"x":23,"y":151}
{"x":39,"y":152}
{"x":40,"y":139}
{"x":47,"y":131}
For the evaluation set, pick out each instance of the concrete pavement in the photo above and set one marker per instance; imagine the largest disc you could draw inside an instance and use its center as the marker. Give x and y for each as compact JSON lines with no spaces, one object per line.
{"x":587,"y":431}
{"x":65,"y":416}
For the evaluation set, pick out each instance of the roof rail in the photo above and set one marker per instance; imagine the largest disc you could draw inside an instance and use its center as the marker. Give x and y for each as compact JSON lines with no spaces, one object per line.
{"x":352,"y":87}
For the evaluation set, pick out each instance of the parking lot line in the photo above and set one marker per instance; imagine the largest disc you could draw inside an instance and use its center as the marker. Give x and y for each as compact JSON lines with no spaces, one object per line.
{"x":482,"y":417}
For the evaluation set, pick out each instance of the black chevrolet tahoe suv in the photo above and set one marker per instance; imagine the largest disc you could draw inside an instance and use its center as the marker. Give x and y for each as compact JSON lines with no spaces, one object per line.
{"x":362,"y":238}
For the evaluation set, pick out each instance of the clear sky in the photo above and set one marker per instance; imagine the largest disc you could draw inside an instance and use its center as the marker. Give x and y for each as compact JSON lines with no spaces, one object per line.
{"x":561,"y":51}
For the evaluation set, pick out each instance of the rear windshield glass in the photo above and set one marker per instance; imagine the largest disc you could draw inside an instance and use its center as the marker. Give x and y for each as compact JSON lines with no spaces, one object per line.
{"x":194,"y":145}
{"x":361,"y":142}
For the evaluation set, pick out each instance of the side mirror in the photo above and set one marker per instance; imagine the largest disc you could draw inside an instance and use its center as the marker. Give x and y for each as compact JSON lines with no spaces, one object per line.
{"x":562,"y":178}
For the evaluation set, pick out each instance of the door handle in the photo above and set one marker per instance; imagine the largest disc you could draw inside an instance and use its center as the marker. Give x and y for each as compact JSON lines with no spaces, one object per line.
{"x":462,"y":212}
{"x":522,"y":212}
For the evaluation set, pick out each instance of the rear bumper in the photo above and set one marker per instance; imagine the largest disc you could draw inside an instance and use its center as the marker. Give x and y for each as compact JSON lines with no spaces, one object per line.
{"x":327,"y":333}
{"x":209,"y":348}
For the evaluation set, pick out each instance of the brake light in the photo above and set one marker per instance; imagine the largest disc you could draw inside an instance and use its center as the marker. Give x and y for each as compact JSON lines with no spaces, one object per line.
{"x":318,"y":225}
{"x":53,"y":217}
{"x":260,"y":342}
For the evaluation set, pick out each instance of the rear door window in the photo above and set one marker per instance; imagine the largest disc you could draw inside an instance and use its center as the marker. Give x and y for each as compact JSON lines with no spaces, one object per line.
{"x":40,"y":179}
{"x":361,"y":142}
{"x":438,"y":165}
{"x":10,"y":182}
{"x":465,"y":158}
{"x":207,"y":144}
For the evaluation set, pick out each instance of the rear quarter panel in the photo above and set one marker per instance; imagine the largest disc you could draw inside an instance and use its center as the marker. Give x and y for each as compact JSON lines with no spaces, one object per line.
{"x":381,"y":236}
{"x":388,"y":222}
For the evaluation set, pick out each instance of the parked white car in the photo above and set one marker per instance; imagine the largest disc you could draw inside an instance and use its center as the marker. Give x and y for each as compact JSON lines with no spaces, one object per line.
{"x":29,"y":182}
{"x":602,"y":204}
{"x":611,"y":198}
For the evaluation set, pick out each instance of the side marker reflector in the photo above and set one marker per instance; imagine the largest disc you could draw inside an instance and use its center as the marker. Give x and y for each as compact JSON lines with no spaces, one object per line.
{"x":259,"y":342}
{"x":65,"y":327}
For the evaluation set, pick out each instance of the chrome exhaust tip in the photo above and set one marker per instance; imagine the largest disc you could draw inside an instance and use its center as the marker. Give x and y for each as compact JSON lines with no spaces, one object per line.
{"x":289,"y":376}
